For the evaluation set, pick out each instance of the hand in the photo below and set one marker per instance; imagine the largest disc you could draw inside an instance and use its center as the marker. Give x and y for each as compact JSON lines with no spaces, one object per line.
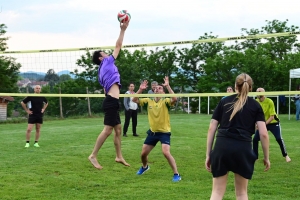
{"x":124,"y":25}
{"x":267,"y":164}
{"x":43,"y":110}
{"x":166,"y":79}
{"x":207,"y":164}
{"x":144,"y":85}
{"x":29,"y":112}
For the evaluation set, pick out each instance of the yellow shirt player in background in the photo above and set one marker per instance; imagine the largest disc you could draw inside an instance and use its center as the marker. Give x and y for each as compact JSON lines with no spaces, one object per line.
{"x":272,"y":123}
{"x":160,"y":128}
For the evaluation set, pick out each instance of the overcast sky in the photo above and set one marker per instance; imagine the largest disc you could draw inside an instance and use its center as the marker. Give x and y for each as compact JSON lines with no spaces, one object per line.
{"x":54,"y":24}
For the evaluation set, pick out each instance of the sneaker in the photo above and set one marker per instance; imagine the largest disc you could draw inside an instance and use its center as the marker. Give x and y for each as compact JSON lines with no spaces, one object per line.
{"x":36,"y":145}
{"x":176,"y":178}
{"x":136,"y":135}
{"x":143,"y":170}
{"x":27,"y":145}
{"x":124,"y":135}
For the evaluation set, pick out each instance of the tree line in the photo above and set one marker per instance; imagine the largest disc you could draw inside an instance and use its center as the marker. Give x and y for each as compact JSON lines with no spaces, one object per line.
{"x":202,"y":68}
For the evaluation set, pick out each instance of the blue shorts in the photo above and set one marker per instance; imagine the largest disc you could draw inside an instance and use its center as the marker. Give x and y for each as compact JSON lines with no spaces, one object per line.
{"x":153,"y":138}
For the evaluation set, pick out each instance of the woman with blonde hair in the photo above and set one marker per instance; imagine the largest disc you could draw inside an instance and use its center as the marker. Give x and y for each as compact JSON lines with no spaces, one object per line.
{"x":234,"y":120}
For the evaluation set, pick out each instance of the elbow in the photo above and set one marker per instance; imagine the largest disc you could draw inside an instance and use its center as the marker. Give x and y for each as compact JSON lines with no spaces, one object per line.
{"x":264,"y":135}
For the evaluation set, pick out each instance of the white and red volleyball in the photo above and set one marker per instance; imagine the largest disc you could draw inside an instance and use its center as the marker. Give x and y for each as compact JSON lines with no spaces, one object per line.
{"x":123,"y":16}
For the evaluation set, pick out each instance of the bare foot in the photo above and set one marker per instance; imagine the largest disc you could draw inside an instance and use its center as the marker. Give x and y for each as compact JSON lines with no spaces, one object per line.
{"x":122,"y":161}
{"x":94,"y":162}
{"x":288,"y":159}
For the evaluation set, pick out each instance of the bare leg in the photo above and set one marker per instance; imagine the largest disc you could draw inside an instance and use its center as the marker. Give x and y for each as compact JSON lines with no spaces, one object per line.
{"x":169,"y":157}
{"x":144,"y":155}
{"x":28,"y":131}
{"x":99,"y":142}
{"x":117,"y":142}
{"x":219,"y":187}
{"x":38,"y":131}
{"x":241,"y":185}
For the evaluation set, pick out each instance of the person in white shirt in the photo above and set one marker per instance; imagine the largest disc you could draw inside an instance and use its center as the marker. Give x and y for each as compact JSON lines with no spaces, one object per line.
{"x":131,"y":110}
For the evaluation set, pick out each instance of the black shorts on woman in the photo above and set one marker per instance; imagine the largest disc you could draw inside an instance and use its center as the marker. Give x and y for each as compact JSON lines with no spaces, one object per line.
{"x":111,"y":108}
{"x":233,"y":152}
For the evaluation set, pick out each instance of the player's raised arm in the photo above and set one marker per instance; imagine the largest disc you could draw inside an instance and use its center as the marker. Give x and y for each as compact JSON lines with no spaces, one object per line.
{"x":167,"y":85}
{"x":143,"y":86}
{"x":119,"y":42}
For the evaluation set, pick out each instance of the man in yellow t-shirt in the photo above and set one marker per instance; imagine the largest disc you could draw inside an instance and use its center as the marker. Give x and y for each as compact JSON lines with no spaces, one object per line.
{"x":272,"y":124}
{"x":160,"y":128}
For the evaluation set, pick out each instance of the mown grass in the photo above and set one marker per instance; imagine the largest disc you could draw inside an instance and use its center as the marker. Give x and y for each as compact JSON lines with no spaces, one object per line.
{"x":59,"y":169}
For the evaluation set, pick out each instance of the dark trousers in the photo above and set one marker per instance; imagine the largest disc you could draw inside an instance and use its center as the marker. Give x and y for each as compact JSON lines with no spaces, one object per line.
{"x":133,"y":115}
{"x":276,"y":131}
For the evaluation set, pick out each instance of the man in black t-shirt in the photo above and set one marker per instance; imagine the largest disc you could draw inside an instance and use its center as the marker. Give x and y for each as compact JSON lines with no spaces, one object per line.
{"x":35,"y":107}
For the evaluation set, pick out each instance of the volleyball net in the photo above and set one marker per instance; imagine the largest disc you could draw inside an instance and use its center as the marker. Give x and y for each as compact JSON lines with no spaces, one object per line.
{"x":70,"y":73}
{"x":35,"y":64}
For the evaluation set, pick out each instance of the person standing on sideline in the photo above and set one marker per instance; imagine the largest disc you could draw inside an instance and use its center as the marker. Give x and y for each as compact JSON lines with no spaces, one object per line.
{"x":272,"y":123}
{"x":297,"y":103}
{"x":35,"y":108}
{"x":160,"y":128}
{"x":153,"y":85}
{"x":109,"y":78}
{"x":234,"y":120}
{"x":131,"y":110}
{"x":229,"y":90}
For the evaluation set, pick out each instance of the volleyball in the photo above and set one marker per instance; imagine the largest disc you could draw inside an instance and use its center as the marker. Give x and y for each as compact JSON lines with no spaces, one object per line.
{"x":123,"y":16}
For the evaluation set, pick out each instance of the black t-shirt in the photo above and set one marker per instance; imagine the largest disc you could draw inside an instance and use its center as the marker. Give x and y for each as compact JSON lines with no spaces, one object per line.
{"x":36,"y":104}
{"x":245,"y":119}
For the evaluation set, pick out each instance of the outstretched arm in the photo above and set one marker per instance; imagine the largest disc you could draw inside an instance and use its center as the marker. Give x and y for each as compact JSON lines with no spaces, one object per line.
{"x":143,"y":86}
{"x":167,"y":85}
{"x":119,"y":42}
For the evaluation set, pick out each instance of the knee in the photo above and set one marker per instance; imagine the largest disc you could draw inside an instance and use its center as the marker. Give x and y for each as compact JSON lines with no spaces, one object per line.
{"x":107,"y":131}
{"x":166,"y":153}
{"x":144,"y":154}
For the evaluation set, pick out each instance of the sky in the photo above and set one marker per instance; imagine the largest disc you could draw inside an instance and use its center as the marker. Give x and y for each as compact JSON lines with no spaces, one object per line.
{"x":55,"y":24}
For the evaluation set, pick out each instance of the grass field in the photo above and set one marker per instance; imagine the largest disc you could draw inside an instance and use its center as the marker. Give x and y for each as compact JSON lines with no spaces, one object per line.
{"x":59,"y":169}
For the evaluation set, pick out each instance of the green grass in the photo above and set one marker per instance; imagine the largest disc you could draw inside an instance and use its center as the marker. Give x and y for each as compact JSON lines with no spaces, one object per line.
{"x":59,"y":169}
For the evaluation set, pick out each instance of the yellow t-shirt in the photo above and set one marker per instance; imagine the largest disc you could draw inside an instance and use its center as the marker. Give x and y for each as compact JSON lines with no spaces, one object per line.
{"x":158,"y":114}
{"x":269,"y":109}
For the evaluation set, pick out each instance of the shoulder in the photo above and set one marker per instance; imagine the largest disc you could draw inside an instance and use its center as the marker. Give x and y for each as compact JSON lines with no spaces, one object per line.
{"x":268,"y":100}
{"x":111,"y":57}
{"x":145,"y":100}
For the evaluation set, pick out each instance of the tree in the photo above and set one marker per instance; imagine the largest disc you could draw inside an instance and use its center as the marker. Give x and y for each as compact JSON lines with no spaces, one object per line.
{"x":52,"y":78}
{"x":3,"y":44}
{"x":269,"y":60}
{"x":9,"y":70}
{"x":64,"y":77}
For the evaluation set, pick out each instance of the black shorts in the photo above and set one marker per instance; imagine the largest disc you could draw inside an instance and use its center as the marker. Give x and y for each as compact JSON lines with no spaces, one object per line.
{"x":230,"y":154}
{"x":153,"y":138}
{"x":33,"y":119}
{"x":111,"y":108}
